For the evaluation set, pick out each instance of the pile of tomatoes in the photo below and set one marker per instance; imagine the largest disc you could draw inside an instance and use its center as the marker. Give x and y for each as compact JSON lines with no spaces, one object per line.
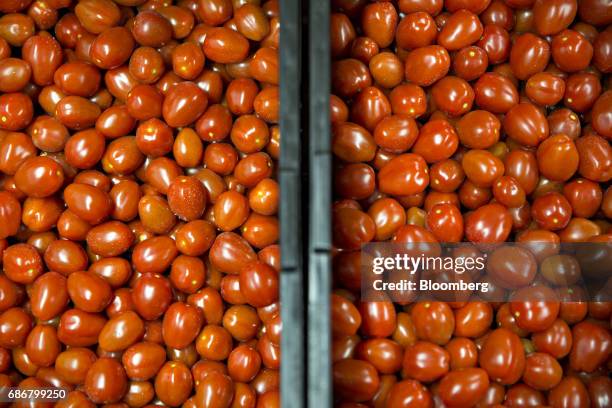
{"x":478,"y":121}
{"x":138,"y":228}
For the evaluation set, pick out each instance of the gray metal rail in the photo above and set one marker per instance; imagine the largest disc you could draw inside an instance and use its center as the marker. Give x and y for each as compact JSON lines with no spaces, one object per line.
{"x":319,"y":245}
{"x":290,"y":211}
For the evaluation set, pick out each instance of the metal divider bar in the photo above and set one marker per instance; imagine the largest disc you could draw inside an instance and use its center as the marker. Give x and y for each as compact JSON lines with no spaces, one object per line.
{"x":319,"y":245}
{"x":290,"y":211}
